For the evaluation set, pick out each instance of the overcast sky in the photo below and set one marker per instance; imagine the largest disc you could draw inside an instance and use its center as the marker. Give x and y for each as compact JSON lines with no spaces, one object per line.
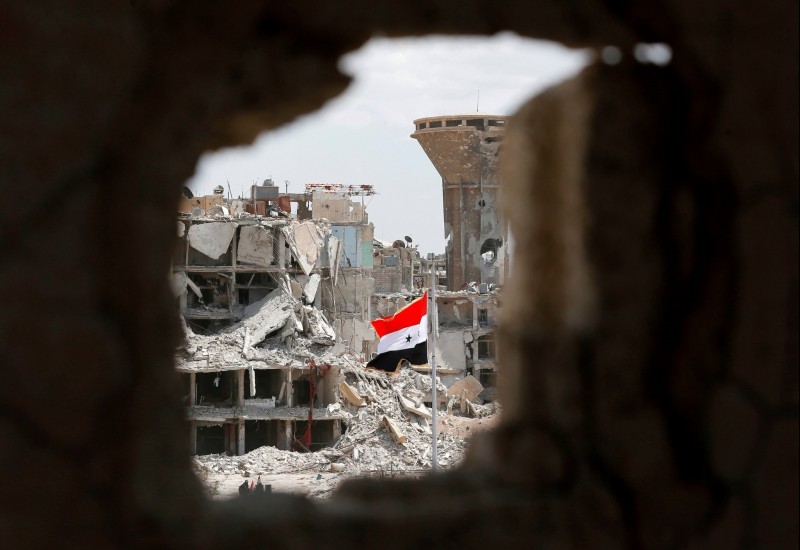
{"x":362,"y":136}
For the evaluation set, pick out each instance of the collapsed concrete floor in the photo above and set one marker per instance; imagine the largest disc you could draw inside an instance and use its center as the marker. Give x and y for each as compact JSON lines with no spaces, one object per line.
{"x":366,"y":450}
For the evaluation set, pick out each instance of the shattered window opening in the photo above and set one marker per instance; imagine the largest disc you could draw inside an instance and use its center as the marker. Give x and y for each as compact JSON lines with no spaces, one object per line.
{"x":486,"y":347}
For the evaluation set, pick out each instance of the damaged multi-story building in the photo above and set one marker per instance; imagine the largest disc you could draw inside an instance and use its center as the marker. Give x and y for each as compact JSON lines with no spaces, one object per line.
{"x":465,"y":149}
{"x":277,"y":291}
{"x":264,"y":292}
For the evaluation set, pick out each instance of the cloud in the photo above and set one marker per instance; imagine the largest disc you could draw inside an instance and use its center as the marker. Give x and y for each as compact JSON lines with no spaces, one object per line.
{"x":362,"y":136}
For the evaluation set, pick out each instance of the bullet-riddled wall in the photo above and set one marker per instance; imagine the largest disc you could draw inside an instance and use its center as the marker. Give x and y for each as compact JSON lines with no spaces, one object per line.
{"x":464,"y":149}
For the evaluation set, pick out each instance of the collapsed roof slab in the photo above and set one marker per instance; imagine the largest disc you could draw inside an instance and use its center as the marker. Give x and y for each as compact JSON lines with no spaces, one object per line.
{"x":310,"y":288}
{"x":266,"y":315}
{"x":211,"y":239}
{"x":255,"y":246}
{"x":304,"y":241}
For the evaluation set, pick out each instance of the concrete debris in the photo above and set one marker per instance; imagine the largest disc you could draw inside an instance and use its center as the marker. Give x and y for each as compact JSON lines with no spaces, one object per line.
{"x":415,"y":408}
{"x":351,"y":395}
{"x":320,"y":331}
{"x":211,"y":239}
{"x":332,"y":255}
{"x":310,"y":287}
{"x":304,"y":241}
{"x":246,"y":345}
{"x":395,"y":431}
{"x":266,"y":315}
{"x":381,"y":435}
{"x":468,"y":388}
{"x":255,"y":246}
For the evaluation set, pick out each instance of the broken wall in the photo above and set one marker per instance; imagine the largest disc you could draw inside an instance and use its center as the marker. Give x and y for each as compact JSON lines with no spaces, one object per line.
{"x":451,"y":352}
{"x":134,"y":93}
{"x":351,"y":294}
{"x":392,"y":269}
{"x":337,"y":208}
{"x":454,"y":311}
{"x":358,"y":335}
{"x":356,"y":244}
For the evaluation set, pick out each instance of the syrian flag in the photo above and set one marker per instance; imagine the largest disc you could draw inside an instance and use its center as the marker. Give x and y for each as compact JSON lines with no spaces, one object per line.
{"x":403,"y":336}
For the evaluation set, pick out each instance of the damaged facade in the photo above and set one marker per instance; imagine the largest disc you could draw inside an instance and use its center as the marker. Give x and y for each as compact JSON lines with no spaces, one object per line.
{"x":259,"y":295}
{"x":277,"y":292}
{"x":464,"y":149}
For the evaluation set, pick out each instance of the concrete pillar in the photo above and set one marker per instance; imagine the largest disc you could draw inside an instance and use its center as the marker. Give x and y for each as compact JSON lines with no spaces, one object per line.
{"x":280,"y":258}
{"x":192,"y":389}
{"x":230,"y":438}
{"x":284,"y":435}
{"x":192,"y":437}
{"x":240,"y":438}
{"x":240,"y":388}
{"x":289,"y":389}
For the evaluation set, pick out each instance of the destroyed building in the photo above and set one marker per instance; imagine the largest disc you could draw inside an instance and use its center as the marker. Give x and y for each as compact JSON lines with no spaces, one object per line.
{"x":464,"y":149}
{"x":262,"y":296}
{"x":351,"y":277}
{"x":277,"y":292}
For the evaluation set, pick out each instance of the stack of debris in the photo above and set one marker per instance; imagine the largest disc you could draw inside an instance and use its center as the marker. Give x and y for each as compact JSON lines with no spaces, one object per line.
{"x":286,"y":314}
{"x":387,"y":430}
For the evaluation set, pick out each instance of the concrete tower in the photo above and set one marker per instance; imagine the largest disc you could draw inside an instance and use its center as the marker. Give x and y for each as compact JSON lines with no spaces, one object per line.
{"x":464,"y":149}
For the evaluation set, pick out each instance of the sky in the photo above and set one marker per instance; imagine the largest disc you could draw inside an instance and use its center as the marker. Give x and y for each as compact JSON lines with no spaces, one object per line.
{"x":362,"y":136}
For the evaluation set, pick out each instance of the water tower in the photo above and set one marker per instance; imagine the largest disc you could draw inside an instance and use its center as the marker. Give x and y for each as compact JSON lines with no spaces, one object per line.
{"x":464,"y":150}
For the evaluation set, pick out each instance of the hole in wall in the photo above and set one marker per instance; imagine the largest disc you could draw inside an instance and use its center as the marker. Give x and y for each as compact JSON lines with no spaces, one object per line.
{"x":362,"y":137}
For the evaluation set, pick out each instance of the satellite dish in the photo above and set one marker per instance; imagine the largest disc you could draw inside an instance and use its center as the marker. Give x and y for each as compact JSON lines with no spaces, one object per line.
{"x":408,"y":239}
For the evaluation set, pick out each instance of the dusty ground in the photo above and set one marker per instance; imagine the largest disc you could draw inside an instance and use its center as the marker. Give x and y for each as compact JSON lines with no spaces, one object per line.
{"x":464,"y":427}
{"x":318,"y":482}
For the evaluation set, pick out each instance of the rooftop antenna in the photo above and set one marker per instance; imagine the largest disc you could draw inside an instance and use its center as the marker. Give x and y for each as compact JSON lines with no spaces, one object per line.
{"x":478,"y":102}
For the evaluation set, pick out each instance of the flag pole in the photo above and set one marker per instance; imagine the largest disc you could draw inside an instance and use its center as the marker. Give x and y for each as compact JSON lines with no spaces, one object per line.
{"x":434,"y":327}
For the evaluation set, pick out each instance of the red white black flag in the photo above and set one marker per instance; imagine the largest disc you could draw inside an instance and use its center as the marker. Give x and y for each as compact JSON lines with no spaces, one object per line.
{"x":403,"y":336}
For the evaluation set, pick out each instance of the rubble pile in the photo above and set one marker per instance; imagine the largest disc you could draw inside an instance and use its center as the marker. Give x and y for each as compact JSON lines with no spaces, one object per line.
{"x":368,"y":445}
{"x":298,"y":331}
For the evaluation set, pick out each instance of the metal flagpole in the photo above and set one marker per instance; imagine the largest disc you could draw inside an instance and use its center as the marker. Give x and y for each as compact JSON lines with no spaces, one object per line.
{"x":434,"y":327}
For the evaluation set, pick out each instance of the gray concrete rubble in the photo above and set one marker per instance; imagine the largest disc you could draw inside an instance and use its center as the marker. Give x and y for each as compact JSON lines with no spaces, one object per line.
{"x":255,"y":246}
{"x":211,"y":239}
{"x":305,"y":242}
{"x":277,"y":312}
{"x":367,"y":446}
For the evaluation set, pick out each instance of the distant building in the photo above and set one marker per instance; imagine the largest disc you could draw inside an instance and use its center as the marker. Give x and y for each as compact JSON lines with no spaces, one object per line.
{"x":464,"y":149}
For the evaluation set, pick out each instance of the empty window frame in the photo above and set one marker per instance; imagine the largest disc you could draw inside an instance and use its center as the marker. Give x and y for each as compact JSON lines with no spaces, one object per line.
{"x":486,"y":347}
